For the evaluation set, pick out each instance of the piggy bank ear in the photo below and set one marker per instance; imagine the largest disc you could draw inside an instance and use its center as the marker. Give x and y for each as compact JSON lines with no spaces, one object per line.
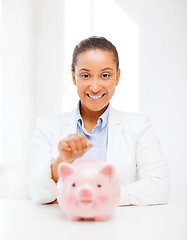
{"x":108,"y":171}
{"x":64,"y":170}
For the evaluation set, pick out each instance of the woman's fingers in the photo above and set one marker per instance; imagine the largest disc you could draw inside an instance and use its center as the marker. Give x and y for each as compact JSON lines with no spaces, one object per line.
{"x":75,"y":142}
{"x":71,"y":141}
{"x":73,"y":147}
{"x":63,"y":145}
{"x":88,"y":145}
{"x":81,"y":142}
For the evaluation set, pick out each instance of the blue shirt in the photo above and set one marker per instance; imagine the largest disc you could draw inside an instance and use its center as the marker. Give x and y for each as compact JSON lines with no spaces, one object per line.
{"x":98,"y":137}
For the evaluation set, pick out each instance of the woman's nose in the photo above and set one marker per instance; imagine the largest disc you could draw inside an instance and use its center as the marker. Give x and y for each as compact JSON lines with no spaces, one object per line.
{"x":95,"y":85}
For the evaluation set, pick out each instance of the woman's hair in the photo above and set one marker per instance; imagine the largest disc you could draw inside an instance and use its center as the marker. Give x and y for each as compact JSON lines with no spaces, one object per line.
{"x":94,"y":43}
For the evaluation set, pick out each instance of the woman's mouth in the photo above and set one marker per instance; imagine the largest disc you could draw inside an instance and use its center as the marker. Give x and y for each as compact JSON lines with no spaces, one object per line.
{"x":95,"y":97}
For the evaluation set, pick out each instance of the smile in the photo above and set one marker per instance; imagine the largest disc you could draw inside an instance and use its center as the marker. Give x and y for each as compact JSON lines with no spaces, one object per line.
{"x":95,"y":97}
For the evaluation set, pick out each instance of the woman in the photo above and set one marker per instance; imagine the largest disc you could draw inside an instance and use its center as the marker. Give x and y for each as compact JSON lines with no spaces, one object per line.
{"x":94,"y":130}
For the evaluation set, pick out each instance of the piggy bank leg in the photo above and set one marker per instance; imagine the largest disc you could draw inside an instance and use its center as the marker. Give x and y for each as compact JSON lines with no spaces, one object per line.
{"x":101,"y":218}
{"x":75,"y":218}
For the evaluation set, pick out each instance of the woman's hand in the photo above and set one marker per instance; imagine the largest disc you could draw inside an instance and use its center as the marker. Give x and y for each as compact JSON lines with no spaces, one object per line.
{"x":70,"y":148}
{"x":73,"y":147}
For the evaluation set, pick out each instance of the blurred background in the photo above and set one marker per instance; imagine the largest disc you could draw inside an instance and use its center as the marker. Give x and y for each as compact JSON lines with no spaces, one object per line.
{"x":37,"y":39}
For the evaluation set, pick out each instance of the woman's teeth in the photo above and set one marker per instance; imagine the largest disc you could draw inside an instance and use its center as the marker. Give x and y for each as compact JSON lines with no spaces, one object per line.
{"x":95,"y":96}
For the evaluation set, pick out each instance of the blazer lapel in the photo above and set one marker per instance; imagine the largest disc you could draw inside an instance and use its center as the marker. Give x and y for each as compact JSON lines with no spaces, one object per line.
{"x":114,"y":137}
{"x":70,"y":125}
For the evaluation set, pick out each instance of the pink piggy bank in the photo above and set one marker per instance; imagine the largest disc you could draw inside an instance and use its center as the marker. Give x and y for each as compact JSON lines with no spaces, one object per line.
{"x":87,"y":189}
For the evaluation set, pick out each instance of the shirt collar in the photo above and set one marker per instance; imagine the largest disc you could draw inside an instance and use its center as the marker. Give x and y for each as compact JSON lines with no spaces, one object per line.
{"x":78,"y":115}
{"x":102,"y":121}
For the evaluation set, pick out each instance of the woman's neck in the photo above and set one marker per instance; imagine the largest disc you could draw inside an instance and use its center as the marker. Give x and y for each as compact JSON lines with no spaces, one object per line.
{"x":90,"y":118}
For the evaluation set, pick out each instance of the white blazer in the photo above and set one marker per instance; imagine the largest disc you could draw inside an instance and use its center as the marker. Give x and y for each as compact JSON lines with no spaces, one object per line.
{"x":133,"y":149}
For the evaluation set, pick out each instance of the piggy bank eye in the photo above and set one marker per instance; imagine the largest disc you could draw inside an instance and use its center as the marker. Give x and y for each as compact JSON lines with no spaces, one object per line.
{"x":73,"y":185}
{"x":99,"y":185}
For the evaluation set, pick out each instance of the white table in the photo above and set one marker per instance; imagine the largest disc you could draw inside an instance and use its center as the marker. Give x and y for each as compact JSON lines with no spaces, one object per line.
{"x":23,"y":219}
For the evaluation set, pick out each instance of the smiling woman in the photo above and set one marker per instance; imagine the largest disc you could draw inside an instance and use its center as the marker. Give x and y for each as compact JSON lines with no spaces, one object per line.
{"x":95,"y":72}
{"x":94,"y":130}
{"x":95,"y":82}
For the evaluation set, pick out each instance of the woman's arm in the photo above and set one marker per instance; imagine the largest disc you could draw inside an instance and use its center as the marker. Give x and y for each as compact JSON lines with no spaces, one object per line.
{"x":153,"y":185}
{"x":41,"y":187}
{"x":43,"y":174}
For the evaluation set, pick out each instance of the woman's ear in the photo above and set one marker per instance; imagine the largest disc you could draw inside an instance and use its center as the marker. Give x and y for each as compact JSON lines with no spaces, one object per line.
{"x":73,"y":77}
{"x":118,"y":76}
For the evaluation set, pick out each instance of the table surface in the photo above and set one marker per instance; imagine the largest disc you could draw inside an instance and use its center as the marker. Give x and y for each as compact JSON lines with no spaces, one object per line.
{"x":23,"y":219}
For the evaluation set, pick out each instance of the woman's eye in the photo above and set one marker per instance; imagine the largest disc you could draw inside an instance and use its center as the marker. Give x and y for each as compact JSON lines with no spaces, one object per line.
{"x":105,"y":75}
{"x":85,"y":76}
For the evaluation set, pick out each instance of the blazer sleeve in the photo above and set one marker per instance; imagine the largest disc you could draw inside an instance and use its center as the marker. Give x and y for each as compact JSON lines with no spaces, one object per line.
{"x":41,"y":187}
{"x":152,"y":185}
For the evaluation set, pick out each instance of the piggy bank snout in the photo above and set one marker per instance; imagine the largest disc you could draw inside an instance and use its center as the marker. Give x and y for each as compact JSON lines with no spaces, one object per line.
{"x":85,"y":193}
{"x":85,"y":197}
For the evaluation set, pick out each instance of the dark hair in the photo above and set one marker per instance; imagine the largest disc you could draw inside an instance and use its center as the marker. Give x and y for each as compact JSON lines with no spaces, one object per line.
{"x":94,"y":43}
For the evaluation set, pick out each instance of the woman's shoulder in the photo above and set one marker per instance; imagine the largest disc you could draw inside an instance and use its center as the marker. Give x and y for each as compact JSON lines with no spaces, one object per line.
{"x":128,"y":117}
{"x":130,"y":121}
{"x":54,"y":120}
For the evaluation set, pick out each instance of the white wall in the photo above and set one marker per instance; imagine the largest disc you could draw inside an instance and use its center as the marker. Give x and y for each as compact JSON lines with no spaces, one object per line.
{"x":31,"y":83}
{"x":16,"y":82}
{"x":32,"y":66}
{"x":48,"y":60}
{"x":16,"y":95}
{"x":0,"y":80}
{"x":163,"y":79}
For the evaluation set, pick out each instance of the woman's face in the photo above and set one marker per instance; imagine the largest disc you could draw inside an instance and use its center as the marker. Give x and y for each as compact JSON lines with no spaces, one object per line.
{"x":96,"y":77}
